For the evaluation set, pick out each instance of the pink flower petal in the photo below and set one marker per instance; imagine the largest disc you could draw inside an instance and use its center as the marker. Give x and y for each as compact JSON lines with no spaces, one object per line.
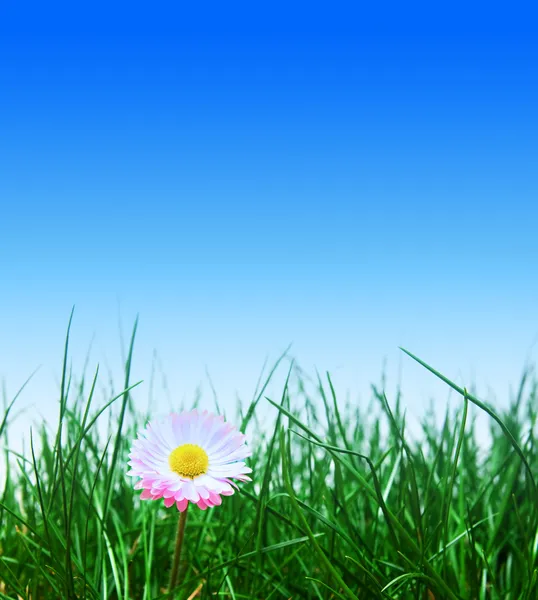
{"x":182,"y":504}
{"x":201,"y":504}
{"x":168,"y":502}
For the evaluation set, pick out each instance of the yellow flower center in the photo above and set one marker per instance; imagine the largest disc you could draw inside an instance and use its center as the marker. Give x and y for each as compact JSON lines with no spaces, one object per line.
{"x":188,"y":460}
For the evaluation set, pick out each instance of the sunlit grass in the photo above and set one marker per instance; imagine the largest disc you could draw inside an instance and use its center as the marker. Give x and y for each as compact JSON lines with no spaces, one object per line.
{"x":344,"y":504}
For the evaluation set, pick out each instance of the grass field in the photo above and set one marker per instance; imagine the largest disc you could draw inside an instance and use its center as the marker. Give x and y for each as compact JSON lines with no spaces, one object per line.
{"x":343,"y":504}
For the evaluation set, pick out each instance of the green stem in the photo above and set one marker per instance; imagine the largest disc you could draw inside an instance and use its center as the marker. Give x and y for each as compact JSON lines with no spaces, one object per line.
{"x":177,"y":551}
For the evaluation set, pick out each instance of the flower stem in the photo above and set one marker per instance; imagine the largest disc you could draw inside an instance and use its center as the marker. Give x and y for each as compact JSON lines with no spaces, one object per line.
{"x":177,"y":551}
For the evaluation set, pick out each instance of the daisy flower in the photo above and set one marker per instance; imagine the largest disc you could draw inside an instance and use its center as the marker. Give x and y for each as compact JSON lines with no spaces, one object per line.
{"x":189,"y":457}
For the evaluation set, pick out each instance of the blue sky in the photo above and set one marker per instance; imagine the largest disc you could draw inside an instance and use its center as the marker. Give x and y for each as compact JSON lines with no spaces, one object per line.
{"x":344,"y":179}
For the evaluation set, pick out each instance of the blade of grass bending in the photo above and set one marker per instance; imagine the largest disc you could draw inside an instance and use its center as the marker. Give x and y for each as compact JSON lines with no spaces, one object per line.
{"x":485,"y":408}
{"x":295,"y":420}
{"x":287,"y":482}
{"x":409,"y":540}
{"x":496,"y":418}
{"x":339,"y":422}
{"x":371,"y":491}
{"x":332,"y":590}
{"x":405,"y":576}
{"x":391,"y":480}
{"x":377,"y":485}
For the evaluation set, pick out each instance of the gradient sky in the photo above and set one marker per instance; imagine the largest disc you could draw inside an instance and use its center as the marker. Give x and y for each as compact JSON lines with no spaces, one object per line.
{"x":347,"y":180}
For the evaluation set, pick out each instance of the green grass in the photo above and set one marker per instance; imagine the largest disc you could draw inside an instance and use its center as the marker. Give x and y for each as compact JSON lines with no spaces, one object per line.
{"x":344,"y":504}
